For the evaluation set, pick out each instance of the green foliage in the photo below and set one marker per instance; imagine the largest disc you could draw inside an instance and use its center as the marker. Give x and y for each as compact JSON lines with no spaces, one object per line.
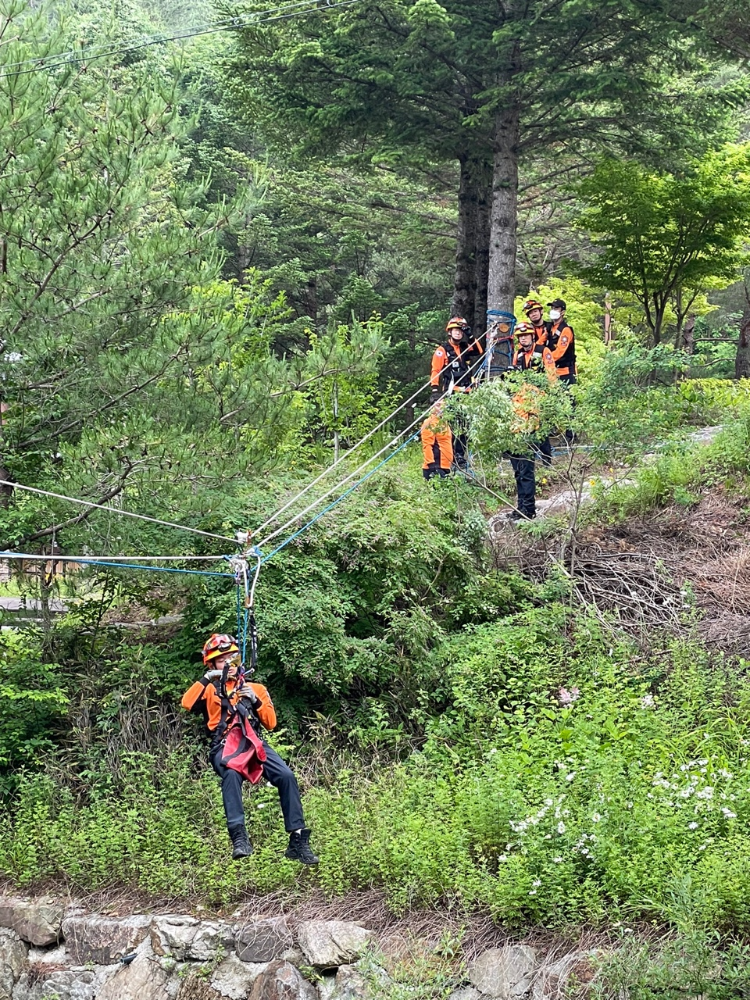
{"x":31,"y":704}
{"x":661,"y":235}
{"x":561,"y":783}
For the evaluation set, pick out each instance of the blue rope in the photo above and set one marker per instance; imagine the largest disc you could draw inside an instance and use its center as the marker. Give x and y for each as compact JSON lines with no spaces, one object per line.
{"x":343,"y":496}
{"x":116,"y":565}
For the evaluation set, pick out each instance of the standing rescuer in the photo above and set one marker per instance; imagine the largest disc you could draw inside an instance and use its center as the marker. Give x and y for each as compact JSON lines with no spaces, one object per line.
{"x":437,"y":444}
{"x":561,"y":342}
{"x":234,"y":711}
{"x":534,"y":311}
{"x":529,"y":356}
{"x":453,"y":367}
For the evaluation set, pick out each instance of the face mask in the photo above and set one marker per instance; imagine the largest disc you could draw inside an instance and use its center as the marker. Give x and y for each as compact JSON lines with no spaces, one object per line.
{"x":555,"y":314}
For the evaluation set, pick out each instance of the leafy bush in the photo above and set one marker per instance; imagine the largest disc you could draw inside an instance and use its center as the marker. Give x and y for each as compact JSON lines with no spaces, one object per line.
{"x":560,"y":783}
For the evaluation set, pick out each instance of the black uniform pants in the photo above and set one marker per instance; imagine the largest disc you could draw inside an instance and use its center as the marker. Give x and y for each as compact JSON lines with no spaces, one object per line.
{"x":523,"y":470}
{"x":274,"y":770}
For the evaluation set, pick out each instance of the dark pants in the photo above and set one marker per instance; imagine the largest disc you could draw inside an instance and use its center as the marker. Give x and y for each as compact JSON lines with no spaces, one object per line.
{"x":460,"y":450}
{"x":544,"y":451}
{"x":569,"y":380}
{"x":275,"y":771}
{"x":523,"y":470}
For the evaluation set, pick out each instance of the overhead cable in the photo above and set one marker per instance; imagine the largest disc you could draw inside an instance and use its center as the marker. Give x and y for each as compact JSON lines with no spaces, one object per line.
{"x":356,"y":472}
{"x":114,"y":510}
{"x":356,"y":447}
{"x":282,"y":13}
{"x":112,"y":564}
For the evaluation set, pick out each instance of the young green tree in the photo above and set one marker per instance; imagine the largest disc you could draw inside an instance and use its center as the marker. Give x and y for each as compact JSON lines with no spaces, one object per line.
{"x":662,"y":237}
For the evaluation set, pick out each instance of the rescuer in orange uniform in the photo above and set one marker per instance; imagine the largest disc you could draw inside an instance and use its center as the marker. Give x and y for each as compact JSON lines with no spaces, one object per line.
{"x":561,"y":342}
{"x":453,"y":366}
{"x":437,"y":444}
{"x":530,"y":356}
{"x":535,"y":315}
{"x":225,"y":699}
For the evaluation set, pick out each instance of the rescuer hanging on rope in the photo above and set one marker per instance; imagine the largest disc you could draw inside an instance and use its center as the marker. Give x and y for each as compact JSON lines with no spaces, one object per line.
{"x":234,"y":711}
{"x":453,"y":364}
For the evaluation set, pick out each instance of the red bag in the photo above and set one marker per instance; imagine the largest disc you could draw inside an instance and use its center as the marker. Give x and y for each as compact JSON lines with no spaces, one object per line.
{"x":243,"y":750}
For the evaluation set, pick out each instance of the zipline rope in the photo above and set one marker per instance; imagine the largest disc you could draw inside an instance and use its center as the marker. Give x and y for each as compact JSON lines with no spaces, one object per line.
{"x":115,"y":565}
{"x":114,"y":510}
{"x":39,"y":63}
{"x":356,"y":447}
{"x":356,"y":472}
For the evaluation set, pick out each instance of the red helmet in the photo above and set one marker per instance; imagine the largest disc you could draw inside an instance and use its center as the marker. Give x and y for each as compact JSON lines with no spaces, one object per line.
{"x":217,"y":645}
{"x":531,"y":304}
{"x":456,"y":323}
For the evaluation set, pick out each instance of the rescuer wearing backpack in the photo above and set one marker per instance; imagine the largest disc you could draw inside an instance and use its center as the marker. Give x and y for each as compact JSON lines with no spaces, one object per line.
{"x":234,"y":711}
{"x":453,"y":366}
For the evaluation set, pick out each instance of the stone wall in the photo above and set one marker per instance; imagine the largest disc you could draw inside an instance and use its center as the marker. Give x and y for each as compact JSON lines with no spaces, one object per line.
{"x":49,"y":951}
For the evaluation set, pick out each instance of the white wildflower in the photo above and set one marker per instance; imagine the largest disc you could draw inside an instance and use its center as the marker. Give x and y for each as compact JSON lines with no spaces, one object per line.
{"x":561,"y":827}
{"x":692,"y":826}
{"x":596,"y":818}
{"x":728,"y":813}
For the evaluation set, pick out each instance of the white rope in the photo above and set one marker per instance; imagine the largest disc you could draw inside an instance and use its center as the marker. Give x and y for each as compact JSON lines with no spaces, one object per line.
{"x":114,"y":510}
{"x":56,"y":558}
{"x":356,"y":472}
{"x":330,"y":468}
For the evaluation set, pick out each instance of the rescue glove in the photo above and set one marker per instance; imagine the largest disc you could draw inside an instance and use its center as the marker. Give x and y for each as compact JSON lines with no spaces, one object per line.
{"x":212,"y":675}
{"x":434,"y":396}
{"x":251,"y":697}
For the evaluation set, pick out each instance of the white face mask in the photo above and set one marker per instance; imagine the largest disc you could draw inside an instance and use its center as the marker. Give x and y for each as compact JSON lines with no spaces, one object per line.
{"x":555,"y":314}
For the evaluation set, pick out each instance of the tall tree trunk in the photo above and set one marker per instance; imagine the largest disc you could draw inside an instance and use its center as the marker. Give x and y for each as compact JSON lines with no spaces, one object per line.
{"x":742,"y":358}
{"x":687,"y":335}
{"x":484,"y":205}
{"x":504,"y":213}
{"x":465,"y":282}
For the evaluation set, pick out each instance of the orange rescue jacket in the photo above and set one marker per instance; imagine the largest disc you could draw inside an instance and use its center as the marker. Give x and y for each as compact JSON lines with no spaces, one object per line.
{"x":204,"y":697}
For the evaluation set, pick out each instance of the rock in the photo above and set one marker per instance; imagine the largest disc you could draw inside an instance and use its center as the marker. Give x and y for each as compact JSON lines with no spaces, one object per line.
{"x":50,"y":956}
{"x":350,"y":984}
{"x":143,"y":979}
{"x":35,"y":921}
{"x":465,"y":993}
{"x":266,"y":940}
{"x":63,"y":984}
{"x":330,"y":943}
{"x":103,"y":940}
{"x":281,"y":981}
{"x":327,"y":988}
{"x":234,"y":978}
{"x":13,"y":953}
{"x":551,"y":980}
{"x":504,"y":972}
{"x":183,"y":937}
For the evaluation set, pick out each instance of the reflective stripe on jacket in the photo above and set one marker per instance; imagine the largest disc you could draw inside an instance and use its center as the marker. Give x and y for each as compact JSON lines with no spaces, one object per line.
{"x":451,"y":363}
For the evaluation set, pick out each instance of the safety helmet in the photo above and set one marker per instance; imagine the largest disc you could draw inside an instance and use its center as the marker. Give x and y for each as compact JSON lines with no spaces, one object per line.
{"x":217,"y":645}
{"x":456,"y":323}
{"x":531,"y":304}
{"x":525,"y":328}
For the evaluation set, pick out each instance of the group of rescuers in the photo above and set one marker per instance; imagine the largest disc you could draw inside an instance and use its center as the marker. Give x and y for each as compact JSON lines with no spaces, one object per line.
{"x":544,"y":346}
{"x":236,"y":710}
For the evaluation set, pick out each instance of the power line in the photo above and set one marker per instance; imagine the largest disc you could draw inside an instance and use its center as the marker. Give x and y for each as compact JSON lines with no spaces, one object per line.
{"x":114,"y":510}
{"x":39,"y":63}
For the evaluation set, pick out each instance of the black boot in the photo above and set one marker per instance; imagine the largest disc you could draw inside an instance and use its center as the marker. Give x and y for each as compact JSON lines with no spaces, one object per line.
{"x":299,"y":848}
{"x":242,"y":848}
